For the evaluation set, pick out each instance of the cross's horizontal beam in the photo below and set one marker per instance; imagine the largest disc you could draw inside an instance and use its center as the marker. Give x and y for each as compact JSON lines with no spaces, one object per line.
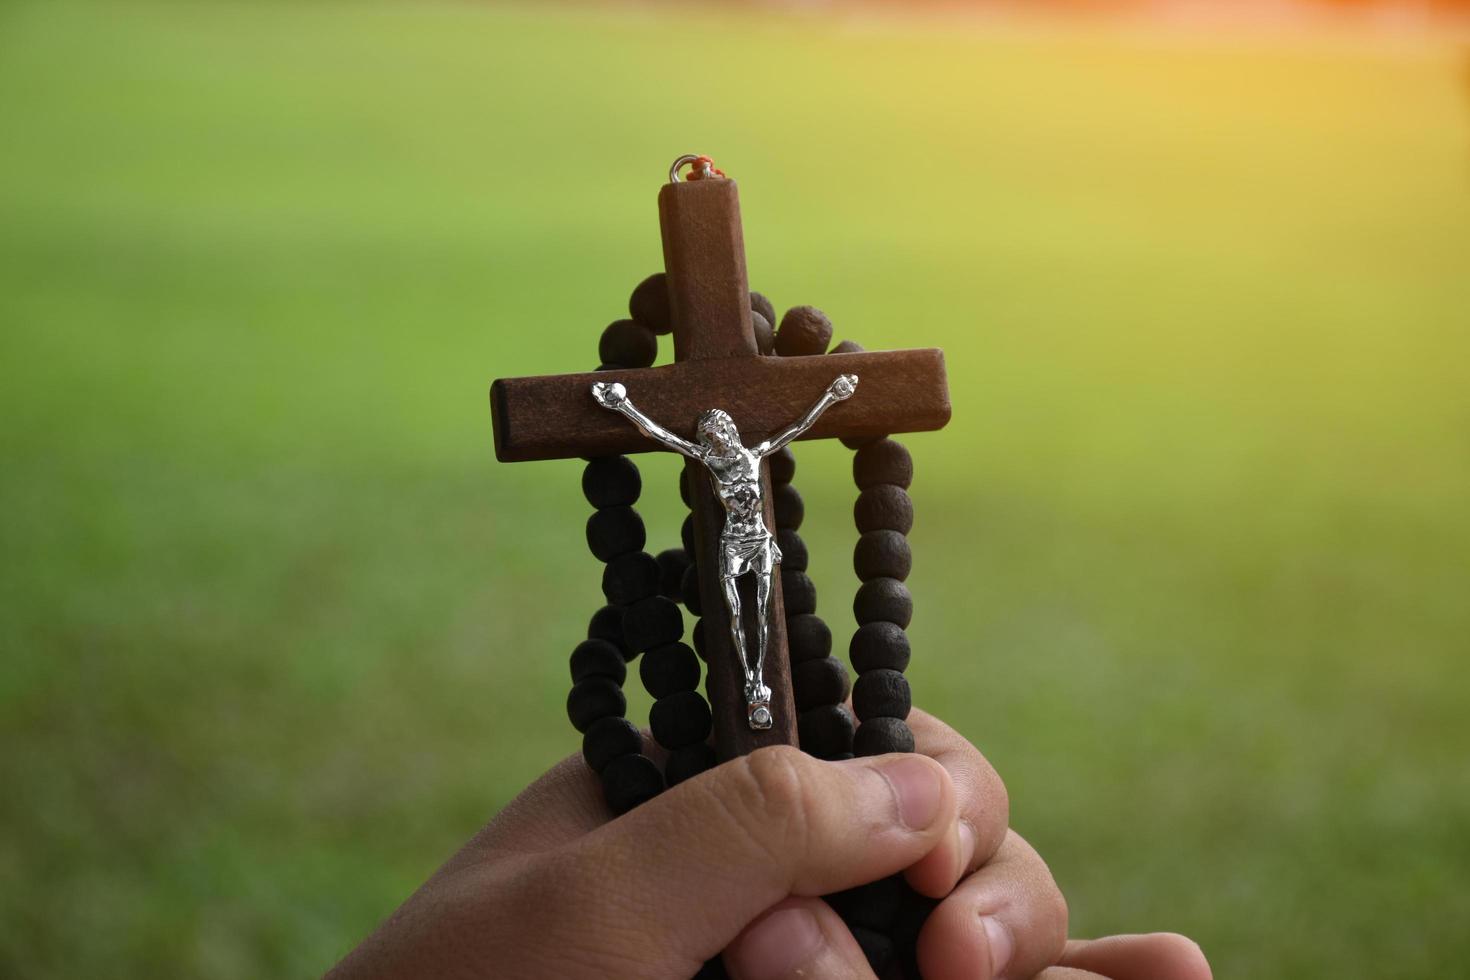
{"x":555,"y":417}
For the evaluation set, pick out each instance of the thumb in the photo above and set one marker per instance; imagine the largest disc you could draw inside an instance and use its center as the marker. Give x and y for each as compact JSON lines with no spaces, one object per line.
{"x":698,"y":863}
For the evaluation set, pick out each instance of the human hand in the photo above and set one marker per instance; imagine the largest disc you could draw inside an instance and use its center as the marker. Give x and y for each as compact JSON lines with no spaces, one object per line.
{"x":551,"y":888}
{"x":1001,"y":914}
{"x":609,"y":394}
{"x":735,"y":859}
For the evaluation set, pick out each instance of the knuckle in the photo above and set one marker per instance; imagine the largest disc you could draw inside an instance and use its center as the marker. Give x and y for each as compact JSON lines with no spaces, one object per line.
{"x":774,"y":773}
{"x":778,"y":799}
{"x":987,"y":805}
{"x":1056,"y":914}
{"x":1049,"y":912}
{"x":1061,"y":914}
{"x":1002,"y":799}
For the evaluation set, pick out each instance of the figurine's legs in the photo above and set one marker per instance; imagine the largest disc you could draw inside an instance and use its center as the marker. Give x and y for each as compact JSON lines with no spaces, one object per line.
{"x":762,"y":621}
{"x":757,"y":695}
{"x":737,"y":628}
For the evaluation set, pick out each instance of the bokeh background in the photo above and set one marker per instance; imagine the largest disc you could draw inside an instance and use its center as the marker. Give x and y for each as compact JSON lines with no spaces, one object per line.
{"x":1192,"y":560}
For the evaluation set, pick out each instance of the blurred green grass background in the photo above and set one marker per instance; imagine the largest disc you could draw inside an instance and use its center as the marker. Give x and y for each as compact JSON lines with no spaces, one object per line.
{"x":1191,"y":560}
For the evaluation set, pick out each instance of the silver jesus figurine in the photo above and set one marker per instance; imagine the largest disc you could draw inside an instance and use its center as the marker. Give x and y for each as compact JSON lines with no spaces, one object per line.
{"x":746,"y":545}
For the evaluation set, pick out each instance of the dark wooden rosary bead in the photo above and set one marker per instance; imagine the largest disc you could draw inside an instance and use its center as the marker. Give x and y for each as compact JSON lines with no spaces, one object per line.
{"x":669,"y":669}
{"x":607,"y":624}
{"x":628,"y":343}
{"x":913,"y":912}
{"x":614,"y":531}
{"x":680,"y":719}
{"x":912,"y":915}
{"x":628,"y":578}
{"x":877,"y":947}
{"x":818,"y":682}
{"x":598,"y":658}
{"x":594,"y":698}
{"x":671,"y":565}
{"x":879,"y":736}
{"x":652,"y":622}
{"x":793,"y":549}
{"x":649,"y":304}
{"x":885,"y":599}
{"x":686,"y":492}
{"x":783,"y":465}
{"x":847,"y":347}
{"x":882,"y":554}
{"x":712,"y":970}
{"x":689,"y":590}
{"x":607,"y":738}
{"x":876,"y":905}
{"x":881,"y":694}
{"x":686,"y":534}
{"x":765,"y":334}
{"x":807,"y":638}
{"x":884,"y":507}
{"x":804,"y":330}
{"x":798,"y":592}
{"x":825,"y":731}
{"x":879,"y":645}
{"x":789,"y":509}
{"x":688,"y":762}
{"x":884,"y":461}
{"x":611,"y":481}
{"x":759,"y":304}
{"x":630,"y":780}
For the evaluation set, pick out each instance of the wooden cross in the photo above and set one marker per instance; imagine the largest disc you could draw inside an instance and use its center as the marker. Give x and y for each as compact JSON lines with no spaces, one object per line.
{"x":717,"y":365}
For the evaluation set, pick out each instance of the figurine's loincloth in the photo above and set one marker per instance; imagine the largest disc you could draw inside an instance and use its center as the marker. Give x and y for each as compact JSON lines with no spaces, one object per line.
{"x":751,"y":551}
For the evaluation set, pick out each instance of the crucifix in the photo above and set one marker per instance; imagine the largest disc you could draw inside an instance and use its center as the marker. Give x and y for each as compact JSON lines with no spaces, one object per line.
{"x":720,"y":379}
{"x":747,"y":545}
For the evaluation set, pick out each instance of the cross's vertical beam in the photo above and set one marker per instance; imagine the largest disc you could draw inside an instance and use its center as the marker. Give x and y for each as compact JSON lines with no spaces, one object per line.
{"x":704,"y":259}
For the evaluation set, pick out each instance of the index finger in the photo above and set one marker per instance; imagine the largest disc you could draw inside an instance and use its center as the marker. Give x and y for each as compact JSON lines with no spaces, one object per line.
{"x":984,"y":807}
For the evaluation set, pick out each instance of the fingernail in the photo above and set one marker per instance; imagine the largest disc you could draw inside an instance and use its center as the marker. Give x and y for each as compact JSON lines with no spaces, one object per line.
{"x":916,"y":785}
{"x":999,"y":938}
{"x":779,"y":944}
{"x":967,"y":846}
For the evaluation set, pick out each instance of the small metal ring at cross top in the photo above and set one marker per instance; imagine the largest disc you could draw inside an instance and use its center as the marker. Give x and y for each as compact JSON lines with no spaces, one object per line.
{"x":700,"y":168}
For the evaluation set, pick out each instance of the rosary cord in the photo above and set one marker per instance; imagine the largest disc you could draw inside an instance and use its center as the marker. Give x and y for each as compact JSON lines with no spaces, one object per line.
{"x":680,"y":718}
{"x":642,"y":616}
{"x":611,"y":744}
{"x":884,"y":916}
{"x":818,"y":680}
{"x":639,"y":616}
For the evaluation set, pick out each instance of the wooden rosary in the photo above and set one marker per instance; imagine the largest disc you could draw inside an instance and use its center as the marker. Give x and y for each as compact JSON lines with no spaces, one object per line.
{"x":770,"y":680}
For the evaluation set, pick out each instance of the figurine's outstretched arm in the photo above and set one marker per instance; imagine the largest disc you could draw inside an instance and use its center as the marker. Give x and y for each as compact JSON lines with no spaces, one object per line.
{"x":837,"y":391}
{"x":614,"y":397}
